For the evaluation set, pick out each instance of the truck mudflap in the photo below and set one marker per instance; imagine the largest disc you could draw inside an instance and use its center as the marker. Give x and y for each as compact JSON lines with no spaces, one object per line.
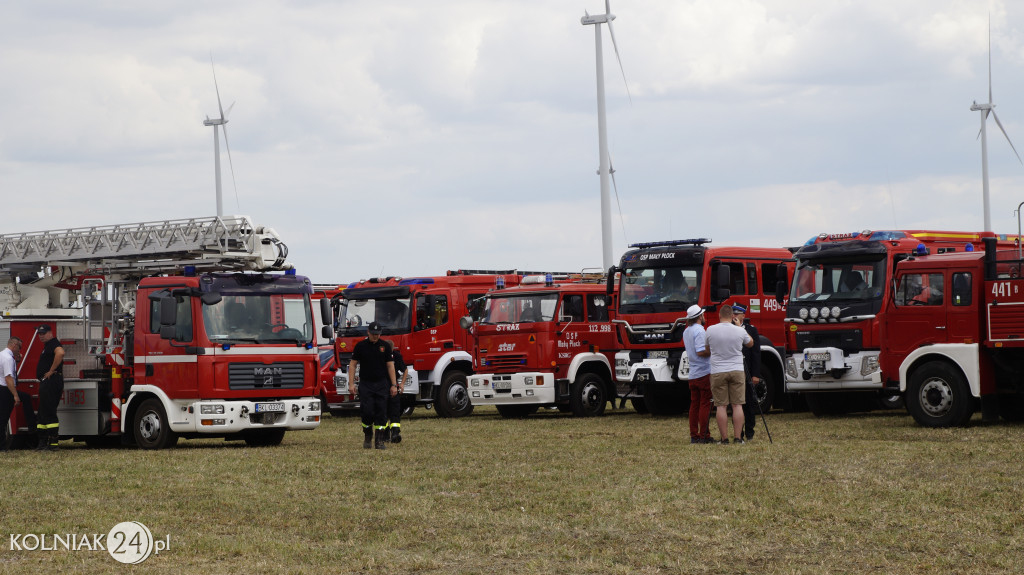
{"x":828,"y":369}
{"x":525,"y":388}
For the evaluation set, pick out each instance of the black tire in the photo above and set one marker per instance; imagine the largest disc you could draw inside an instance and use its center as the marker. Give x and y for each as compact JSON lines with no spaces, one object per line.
{"x":765,"y":390}
{"x":588,"y":395}
{"x":323,"y":406}
{"x":667,"y":399}
{"x":639,"y":405}
{"x":516,"y":411}
{"x":263,"y":437}
{"x":938,"y":396}
{"x":823,"y":404}
{"x":453,"y":395}
{"x":151,"y":426}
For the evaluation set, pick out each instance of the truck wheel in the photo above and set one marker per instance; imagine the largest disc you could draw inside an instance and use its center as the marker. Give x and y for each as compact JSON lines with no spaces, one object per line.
{"x":452,"y":396}
{"x":152,"y":430}
{"x":588,"y":396}
{"x":938,"y":396}
{"x":263,"y":437}
{"x":765,"y":390}
{"x":667,"y":399}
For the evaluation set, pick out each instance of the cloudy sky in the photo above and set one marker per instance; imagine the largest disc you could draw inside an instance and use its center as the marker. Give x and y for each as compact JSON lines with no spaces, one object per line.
{"x":407,"y":138}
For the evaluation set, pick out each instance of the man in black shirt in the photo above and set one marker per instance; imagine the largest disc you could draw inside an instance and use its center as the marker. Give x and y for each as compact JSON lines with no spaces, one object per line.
{"x":50,"y":373}
{"x":373,"y":357}
{"x":752,"y":365}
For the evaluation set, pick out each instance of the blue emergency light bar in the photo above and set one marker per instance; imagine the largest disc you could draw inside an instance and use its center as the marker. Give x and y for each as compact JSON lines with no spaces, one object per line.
{"x":415,"y":281}
{"x":691,"y":242}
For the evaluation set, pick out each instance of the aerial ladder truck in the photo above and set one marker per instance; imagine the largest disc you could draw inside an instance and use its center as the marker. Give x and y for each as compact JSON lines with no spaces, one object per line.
{"x":170,"y":328}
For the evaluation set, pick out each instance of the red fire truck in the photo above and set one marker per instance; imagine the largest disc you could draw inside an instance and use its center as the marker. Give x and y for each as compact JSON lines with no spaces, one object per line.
{"x":953,"y":337}
{"x":544,"y":345}
{"x":840,"y":292}
{"x":170,"y":329}
{"x":658,"y":281}
{"x":420,"y":317}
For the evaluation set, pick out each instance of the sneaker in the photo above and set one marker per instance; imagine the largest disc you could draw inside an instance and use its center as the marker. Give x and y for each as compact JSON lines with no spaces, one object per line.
{"x":723,"y":442}
{"x":708,"y":440}
{"x":738,"y":441}
{"x":696,"y":440}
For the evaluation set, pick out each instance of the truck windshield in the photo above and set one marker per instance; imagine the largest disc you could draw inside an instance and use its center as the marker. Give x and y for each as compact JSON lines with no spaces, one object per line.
{"x":659,"y":289}
{"x":820,"y":280}
{"x":259,"y":318}
{"x":520,"y":308}
{"x":391,"y":313}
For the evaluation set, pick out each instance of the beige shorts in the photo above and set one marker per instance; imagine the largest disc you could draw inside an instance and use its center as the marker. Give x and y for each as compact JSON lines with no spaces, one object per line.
{"x":728,"y":388}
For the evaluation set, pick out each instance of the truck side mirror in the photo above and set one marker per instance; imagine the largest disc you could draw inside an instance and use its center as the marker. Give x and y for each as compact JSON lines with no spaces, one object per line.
{"x":465,"y":322}
{"x":326,"y":316}
{"x":210,"y":298}
{"x":168,"y":313}
{"x":724,"y":279}
{"x":780,"y":291}
{"x":609,"y":287}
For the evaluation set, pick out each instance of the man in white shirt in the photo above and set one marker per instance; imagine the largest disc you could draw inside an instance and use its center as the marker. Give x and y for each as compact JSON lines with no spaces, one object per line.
{"x":728,"y":378}
{"x":9,"y":396}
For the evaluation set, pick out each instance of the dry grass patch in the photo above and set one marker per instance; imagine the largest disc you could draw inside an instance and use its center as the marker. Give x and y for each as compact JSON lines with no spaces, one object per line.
{"x":624,"y":493}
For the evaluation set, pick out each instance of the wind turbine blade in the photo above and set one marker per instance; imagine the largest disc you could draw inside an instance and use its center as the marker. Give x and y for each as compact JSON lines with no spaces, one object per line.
{"x":216,"y":88}
{"x":230,"y":163}
{"x":990,"y":58}
{"x":611,"y":171}
{"x":998,"y":123}
{"x":228,"y":113}
{"x":611,"y":31}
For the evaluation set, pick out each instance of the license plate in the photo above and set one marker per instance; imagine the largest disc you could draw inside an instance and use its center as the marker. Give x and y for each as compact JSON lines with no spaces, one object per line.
{"x":268,"y":407}
{"x":657,"y":354}
{"x":502,"y":385}
{"x":818,"y":357}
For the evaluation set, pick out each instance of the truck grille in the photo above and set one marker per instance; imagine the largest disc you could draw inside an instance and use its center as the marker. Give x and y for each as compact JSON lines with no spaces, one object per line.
{"x":281,"y":375}
{"x":850,"y":341}
{"x":506,"y":361}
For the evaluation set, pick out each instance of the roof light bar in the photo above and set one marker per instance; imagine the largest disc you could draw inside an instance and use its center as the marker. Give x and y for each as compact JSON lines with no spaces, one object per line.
{"x":694,"y":242}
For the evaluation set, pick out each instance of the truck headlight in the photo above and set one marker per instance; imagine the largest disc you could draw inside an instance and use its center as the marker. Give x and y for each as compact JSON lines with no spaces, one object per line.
{"x":835,"y":312}
{"x":869,"y":365}
{"x":211,"y":409}
{"x":528,"y":380}
{"x":803,"y":313}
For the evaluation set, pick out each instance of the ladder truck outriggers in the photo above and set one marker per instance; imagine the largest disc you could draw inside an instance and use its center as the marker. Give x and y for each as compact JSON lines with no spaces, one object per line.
{"x":658,"y":281}
{"x":841,"y":291}
{"x":544,"y":345}
{"x":171,"y":329}
{"x":953,"y":337}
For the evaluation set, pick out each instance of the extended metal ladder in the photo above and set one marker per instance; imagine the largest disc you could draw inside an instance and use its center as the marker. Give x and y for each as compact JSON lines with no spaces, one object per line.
{"x":230,"y":242}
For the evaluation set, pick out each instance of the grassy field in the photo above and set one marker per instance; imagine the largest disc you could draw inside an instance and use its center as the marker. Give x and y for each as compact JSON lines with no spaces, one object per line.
{"x":624,"y":493}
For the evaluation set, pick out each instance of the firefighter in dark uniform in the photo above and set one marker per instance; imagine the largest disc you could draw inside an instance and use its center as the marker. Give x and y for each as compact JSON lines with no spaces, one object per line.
{"x":50,"y":373}
{"x":373,"y":357}
{"x":394,"y":433}
{"x":752,"y":365}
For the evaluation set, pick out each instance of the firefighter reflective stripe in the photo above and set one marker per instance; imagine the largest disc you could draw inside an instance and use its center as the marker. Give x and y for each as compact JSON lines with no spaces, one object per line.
{"x":47,"y":425}
{"x":365,"y":426}
{"x":379,"y":427}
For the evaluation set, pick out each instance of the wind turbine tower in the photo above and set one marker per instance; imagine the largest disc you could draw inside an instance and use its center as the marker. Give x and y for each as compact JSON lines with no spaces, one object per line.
{"x":602,"y":129}
{"x":985,"y":109}
{"x":220,"y":124}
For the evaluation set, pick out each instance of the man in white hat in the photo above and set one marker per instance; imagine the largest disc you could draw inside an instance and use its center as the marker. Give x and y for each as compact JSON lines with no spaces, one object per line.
{"x":699,"y":356}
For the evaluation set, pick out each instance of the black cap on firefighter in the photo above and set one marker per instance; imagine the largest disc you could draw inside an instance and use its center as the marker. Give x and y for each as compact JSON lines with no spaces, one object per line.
{"x":374,"y":328}
{"x":43,"y":329}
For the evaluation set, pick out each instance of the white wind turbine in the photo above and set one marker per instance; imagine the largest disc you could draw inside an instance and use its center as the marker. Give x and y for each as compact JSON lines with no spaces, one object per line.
{"x":602,"y":130}
{"x":220,"y":122}
{"x":985,"y":109}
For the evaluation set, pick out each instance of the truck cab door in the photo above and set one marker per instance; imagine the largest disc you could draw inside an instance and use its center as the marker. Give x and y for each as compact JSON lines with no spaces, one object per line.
{"x":919,"y":317}
{"x":432,"y":331}
{"x":166,"y":363}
